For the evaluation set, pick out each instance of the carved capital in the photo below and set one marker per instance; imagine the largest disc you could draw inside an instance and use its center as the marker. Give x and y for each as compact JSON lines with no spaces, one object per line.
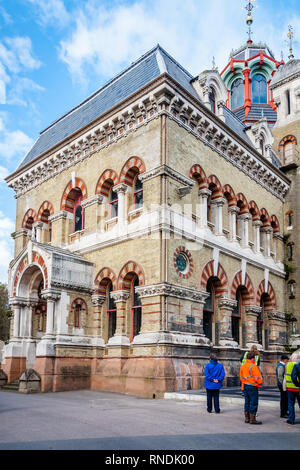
{"x":121,"y":188}
{"x":172,"y":290}
{"x":253,"y":310}
{"x":50,"y":295}
{"x":227,"y":304}
{"x":98,"y":300}
{"x":120,"y":295}
{"x":96,"y":199}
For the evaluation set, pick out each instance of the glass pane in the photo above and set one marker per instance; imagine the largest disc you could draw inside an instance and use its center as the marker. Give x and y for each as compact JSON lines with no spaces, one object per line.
{"x":207,"y":324}
{"x":237,"y":93}
{"x":138,"y":185}
{"x":112,"y":322}
{"x":78,"y":219}
{"x":259,"y":89}
{"x":137,"y":320}
{"x":138,"y":199}
{"x":235,"y":328}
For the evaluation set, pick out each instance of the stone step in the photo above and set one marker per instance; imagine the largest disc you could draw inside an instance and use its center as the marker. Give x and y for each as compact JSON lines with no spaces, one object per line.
{"x":12,"y":386}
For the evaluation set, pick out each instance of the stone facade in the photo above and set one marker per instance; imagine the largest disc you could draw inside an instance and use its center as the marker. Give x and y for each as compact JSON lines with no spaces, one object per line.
{"x":134,"y":299}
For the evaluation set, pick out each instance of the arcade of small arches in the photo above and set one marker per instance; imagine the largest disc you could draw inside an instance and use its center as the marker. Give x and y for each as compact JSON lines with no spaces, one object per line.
{"x":244,"y":314}
{"x":239,"y":214}
{"x":111,"y":189}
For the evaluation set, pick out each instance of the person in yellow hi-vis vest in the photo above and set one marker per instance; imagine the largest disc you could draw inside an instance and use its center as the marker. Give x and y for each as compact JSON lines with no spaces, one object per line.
{"x":256,"y":354}
{"x":292,"y":389}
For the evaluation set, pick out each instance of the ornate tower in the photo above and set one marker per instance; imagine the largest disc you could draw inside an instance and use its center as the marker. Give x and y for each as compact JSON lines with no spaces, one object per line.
{"x":247,"y":78}
{"x":285,"y":87}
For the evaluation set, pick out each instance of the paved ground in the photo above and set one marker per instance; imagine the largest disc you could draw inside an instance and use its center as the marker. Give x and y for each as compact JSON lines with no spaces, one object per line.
{"x":100,"y":420}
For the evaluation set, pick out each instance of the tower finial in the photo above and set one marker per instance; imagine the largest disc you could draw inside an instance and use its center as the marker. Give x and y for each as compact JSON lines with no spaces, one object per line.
{"x":291,"y":37}
{"x":249,"y":19}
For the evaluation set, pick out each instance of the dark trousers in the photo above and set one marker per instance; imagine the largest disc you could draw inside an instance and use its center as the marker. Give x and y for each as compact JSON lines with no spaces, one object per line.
{"x":213,"y":394}
{"x":251,"y":399}
{"x":283,"y":401}
{"x":292,"y":397}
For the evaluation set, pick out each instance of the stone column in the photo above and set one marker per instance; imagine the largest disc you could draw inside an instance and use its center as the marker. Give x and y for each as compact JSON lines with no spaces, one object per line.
{"x":267,"y":234}
{"x":203,"y":197}
{"x":277,"y":330}
{"x":38,"y":228}
{"x":98,"y":302}
{"x":120,"y":297}
{"x":62,"y":227}
{"x":121,"y":189}
{"x":233,"y":212}
{"x":29,"y":316}
{"x":257,"y":225}
{"x":225,"y":332}
{"x":217,"y":205}
{"x":51,"y":297}
{"x":252,"y":312}
{"x":244,"y":221}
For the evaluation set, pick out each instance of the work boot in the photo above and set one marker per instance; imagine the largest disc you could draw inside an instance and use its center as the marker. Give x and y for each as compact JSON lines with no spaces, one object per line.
{"x":247,"y":417}
{"x":253,"y":420}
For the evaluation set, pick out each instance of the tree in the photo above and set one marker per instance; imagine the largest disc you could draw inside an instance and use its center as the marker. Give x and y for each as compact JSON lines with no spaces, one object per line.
{"x":5,"y":313}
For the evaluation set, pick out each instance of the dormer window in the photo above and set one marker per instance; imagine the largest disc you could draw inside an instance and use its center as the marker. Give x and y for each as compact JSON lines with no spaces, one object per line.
{"x":212,"y":100}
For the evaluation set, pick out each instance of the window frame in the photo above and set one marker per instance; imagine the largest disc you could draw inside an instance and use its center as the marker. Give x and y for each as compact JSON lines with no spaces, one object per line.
{"x":113,"y":204}
{"x":135,"y":308}
{"x":136,"y":192}
{"x":110,"y":312}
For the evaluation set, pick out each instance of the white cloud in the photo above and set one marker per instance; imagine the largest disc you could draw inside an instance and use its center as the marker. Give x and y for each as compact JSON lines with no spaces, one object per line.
{"x":51,"y":12}
{"x":106,"y":38}
{"x":20,"y":88}
{"x":13,"y":143}
{"x":15,"y":57}
{"x":3,"y":174}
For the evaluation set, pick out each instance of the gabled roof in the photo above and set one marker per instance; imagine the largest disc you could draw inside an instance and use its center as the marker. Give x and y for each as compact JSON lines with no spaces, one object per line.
{"x":138,"y":74}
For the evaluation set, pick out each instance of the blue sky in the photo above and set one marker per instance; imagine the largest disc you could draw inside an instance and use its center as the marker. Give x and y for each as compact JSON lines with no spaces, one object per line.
{"x":54,"y":53}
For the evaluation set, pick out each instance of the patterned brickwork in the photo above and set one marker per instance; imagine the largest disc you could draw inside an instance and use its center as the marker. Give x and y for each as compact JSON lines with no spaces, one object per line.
{"x":127,"y":274}
{"x":36,"y":259}
{"x":103,"y":278}
{"x":132,"y":167}
{"x":270,"y":302}
{"x":221,"y":281}
{"x":107,"y":180}
{"x":28,"y":219}
{"x":45,"y":211}
{"x":198,"y":174}
{"x":68,"y":197}
{"x":248,"y":293}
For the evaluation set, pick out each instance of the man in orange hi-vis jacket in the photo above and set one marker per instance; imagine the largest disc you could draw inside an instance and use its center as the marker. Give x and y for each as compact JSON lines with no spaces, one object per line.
{"x":252,"y":380}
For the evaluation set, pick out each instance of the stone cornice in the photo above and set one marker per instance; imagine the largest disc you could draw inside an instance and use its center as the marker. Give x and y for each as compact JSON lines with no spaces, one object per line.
{"x":165,"y":170}
{"x":184,"y":109}
{"x":285,"y":80}
{"x":172,"y":290}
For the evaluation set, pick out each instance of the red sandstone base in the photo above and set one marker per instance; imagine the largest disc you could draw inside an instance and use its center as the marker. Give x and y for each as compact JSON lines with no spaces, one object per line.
{"x":14,"y":367}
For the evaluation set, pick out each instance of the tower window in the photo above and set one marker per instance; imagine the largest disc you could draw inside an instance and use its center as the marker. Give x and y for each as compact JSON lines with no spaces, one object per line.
{"x":259,"y":89}
{"x":237,"y":93}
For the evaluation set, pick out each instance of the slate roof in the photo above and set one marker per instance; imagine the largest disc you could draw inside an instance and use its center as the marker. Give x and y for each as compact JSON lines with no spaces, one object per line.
{"x":148,"y":67}
{"x":236,"y":125}
{"x":257,"y":111}
{"x":287,"y":70}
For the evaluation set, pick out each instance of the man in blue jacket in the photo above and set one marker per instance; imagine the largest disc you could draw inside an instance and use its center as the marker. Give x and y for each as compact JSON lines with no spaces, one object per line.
{"x":214,"y":375}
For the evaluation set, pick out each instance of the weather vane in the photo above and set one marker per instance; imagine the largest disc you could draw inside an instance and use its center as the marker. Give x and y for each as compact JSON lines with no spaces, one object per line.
{"x":290,"y":35}
{"x":249,"y":20}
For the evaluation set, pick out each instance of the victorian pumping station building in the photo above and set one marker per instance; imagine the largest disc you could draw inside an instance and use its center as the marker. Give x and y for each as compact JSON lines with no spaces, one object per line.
{"x":156,"y":223}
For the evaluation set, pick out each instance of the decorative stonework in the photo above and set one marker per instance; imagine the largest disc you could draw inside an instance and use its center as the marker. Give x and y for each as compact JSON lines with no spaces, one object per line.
{"x":183,"y":252}
{"x":189,"y":115}
{"x":172,"y":290}
{"x":165,"y":170}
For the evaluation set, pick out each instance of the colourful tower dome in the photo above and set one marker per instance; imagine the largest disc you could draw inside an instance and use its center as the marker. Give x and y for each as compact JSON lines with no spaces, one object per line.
{"x":247,"y":78}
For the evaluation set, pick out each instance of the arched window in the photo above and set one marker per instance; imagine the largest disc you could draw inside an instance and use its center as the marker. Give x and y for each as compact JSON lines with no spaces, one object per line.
{"x":212,"y":100}
{"x":291,"y":285}
{"x":262,"y":145}
{"x":260,"y":320}
{"x":29,"y":223}
{"x":290,"y":219}
{"x":113,"y":203}
{"x":111,"y":313}
{"x":237,"y":93}
{"x":259,"y":89}
{"x":77,"y":312}
{"x":236,"y":317}
{"x":136,"y":307}
{"x":288,"y":152}
{"x":208,"y":311}
{"x":209,"y":208}
{"x":137,"y":192}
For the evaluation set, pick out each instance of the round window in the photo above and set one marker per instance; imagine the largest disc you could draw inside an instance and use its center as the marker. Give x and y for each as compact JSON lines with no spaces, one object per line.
{"x":182,"y":262}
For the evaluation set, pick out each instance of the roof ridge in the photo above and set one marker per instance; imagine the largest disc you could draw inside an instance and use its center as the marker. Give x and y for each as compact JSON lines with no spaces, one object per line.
{"x":115,"y":78}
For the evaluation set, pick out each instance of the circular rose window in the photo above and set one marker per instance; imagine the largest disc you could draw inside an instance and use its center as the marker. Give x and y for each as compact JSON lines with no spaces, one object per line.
{"x":183,"y":262}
